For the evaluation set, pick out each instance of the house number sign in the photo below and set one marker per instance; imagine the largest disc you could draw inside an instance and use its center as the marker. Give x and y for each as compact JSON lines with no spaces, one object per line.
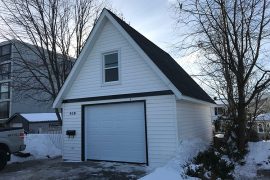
{"x":72,"y":113}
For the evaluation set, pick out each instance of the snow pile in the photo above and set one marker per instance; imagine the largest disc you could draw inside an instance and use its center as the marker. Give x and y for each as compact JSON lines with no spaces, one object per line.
{"x":257,"y":158}
{"x":41,"y":146}
{"x":173,"y":169}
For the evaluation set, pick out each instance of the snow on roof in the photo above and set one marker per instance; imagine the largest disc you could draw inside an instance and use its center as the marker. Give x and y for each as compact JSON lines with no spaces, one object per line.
{"x":40,"y":117}
{"x":263,"y":117}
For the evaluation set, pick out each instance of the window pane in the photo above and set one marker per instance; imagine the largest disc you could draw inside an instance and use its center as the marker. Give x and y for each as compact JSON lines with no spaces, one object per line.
{"x":220,"y":111}
{"x":111,"y":60}
{"x":4,"y":58}
{"x":4,"y":71}
{"x":6,"y":50}
{"x":111,"y":75}
{"x":4,"y":110}
{"x":4,"y":91}
{"x":216,"y":111}
{"x":260,"y":128}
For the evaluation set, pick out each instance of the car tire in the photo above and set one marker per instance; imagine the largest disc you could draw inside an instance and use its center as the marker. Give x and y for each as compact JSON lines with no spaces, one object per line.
{"x":3,"y":159}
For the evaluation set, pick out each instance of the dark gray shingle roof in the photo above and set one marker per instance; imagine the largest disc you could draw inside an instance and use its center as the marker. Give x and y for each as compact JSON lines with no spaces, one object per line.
{"x":173,"y":71}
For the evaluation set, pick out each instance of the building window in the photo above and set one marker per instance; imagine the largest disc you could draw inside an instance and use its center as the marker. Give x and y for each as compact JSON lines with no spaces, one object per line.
{"x":111,"y":67}
{"x":5,"y":52}
{"x":4,"y":91}
{"x":219,"y":111}
{"x":5,"y":71}
{"x":260,"y":128}
{"x":4,"y":110}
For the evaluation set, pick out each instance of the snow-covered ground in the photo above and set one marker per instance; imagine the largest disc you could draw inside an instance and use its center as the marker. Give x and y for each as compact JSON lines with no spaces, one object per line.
{"x":173,"y":169}
{"x":43,"y":146}
{"x":257,"y":158}
{"x":40,"y":146}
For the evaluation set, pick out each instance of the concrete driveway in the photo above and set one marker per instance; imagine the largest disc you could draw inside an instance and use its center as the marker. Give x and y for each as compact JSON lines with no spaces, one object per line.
{"x":57,"y":169}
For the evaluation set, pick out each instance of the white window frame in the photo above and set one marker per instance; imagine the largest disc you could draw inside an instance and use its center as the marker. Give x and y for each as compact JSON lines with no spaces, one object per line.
{"x":104,"y":83}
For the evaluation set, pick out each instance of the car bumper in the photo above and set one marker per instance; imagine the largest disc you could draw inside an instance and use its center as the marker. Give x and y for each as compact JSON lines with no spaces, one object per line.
{"x":22,"y":147}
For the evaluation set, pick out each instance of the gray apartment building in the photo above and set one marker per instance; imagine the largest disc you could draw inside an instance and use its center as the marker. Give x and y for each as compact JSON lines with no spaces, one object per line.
{"x":11,"y":100}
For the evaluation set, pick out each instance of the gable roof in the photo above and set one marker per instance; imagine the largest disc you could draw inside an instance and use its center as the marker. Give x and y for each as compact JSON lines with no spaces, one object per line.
{"x":180,"y":82}
{"x":40,"y":117}
{"x":173,"y":71}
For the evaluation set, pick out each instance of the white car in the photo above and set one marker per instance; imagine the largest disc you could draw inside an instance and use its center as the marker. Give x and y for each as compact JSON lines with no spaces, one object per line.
{"x":11,"y":141}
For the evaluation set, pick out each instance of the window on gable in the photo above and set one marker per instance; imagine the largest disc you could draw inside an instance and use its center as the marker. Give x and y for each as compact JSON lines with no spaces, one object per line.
{"x":111,"y":67}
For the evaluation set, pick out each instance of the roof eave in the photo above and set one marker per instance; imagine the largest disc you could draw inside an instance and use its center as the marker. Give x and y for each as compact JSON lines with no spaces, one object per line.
{"x":194,"y":100}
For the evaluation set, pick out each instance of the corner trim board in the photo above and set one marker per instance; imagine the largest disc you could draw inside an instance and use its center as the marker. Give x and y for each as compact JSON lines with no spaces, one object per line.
{"x":82,"y":134}
{"x":119,"y":96}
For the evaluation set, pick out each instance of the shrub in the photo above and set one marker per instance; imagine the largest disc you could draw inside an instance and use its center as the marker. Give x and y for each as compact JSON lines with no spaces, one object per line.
{"x":253,"y":136}
{"x":231,"y":149}
{"x":209,"y":164}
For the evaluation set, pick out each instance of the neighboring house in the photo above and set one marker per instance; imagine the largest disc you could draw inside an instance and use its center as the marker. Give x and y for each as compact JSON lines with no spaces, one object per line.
{"x":10,"y":100}
{"x":35,"y":123}
{"x":128,"y":100}
{"x":218,"y":110}
{"x":262,"y":126}
{"x":12,"y":97}
{"x":262,"y":106}
{"x":219,"y":116}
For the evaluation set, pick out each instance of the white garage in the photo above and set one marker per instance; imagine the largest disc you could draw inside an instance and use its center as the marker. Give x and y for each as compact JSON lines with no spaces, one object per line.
{"x":116,"y":132}
{"x":127,"y":100}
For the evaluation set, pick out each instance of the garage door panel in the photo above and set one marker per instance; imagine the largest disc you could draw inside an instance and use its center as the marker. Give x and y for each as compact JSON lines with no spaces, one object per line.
{"x":116,"y":132}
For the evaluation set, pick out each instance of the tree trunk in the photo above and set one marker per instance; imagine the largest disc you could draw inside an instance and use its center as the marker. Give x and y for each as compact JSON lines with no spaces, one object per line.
{"x":241,"y":126}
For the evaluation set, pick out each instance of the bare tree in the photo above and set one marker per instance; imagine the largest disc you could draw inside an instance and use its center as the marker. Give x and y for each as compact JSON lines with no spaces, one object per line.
{"x":86,"y":14}
{"x":47,"y":29}
{"x":233,"y":38}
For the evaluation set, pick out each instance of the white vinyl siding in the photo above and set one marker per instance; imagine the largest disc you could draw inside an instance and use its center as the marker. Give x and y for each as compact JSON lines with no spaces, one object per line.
{"x":168,"y":120}
{"x":161,"y":128}
{"x":194,"y":121}
{"x":135,"y":74}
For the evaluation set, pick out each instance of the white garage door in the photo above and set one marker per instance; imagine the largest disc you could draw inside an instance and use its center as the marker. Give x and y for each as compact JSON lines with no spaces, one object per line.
{"x":115,"y":132}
